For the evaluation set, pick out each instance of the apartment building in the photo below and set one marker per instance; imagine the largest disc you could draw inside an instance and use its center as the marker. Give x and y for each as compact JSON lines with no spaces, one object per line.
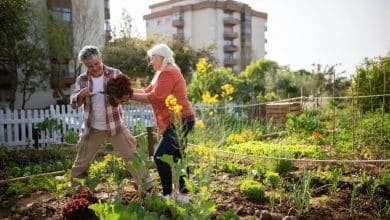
{"x":235,"y":28}
{"x":88,"y":22}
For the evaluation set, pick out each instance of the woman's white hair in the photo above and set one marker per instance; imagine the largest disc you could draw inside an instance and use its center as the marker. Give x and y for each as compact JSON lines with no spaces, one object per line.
{"x":164,"y":51}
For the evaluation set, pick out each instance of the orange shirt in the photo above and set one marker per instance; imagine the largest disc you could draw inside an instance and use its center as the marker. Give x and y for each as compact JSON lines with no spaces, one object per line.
{"x":170,"y":81}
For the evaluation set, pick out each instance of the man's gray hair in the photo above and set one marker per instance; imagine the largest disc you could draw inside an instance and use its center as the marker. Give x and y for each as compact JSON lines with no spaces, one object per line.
{"x":88,"y":52}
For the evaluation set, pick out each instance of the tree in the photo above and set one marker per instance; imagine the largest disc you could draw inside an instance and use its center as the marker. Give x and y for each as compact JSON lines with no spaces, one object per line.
{"x":373,"y":78}
{"x":23,"y":53}
{"x":253,"y":78}
{"x":129,"y":55}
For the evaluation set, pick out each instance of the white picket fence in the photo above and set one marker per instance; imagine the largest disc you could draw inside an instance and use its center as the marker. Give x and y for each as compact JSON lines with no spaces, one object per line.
{"x":18,"y":127}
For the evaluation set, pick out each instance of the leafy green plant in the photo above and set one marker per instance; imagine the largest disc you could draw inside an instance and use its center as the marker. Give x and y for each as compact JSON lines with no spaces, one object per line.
{"x":228,"y":215}
{"x":71,"y":137}
{"x":252,"y":190}
{"x":382,"y":211}
{"x":280,"y":165}
{"x":17,"y":188}
{"x":354,"y":196}
{"x":301,"y":192}
{"x":15,"y":172}
{"x":335,"y":178}
{"x":140,"y":164}
{"x":116,"y":210}
{"x":272,"y":179}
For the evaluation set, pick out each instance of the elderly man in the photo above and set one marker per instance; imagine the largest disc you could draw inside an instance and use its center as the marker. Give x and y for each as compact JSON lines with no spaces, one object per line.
{"x":103,"y":117}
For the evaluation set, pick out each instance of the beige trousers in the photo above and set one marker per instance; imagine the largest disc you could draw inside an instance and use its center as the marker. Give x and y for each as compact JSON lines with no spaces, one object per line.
{"x":124,"y":145}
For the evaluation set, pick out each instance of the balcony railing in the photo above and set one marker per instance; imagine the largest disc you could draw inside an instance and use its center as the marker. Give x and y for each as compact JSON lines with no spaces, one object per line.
{"x":178,"y":23}
{"x":230,"y":21}
{"x":230,"y":48}
{"x":230,"y":35}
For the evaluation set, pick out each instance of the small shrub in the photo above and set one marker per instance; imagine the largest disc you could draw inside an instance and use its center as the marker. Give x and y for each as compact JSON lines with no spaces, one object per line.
{"x":15,"y":172}
{"x":252,"y":190}
{"x":272,"y":179}
{"x":281,"y":166}
{"x":71,"y":137}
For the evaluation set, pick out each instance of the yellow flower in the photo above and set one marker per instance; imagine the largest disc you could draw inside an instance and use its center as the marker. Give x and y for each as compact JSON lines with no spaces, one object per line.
{"x":227,"y":90}
{"x":202,"y":66}
{"x":236,"y":138}
{"x":108,"y":157}
{"x":199,"y":124}
{"x":207,"y":98}
{"x":171,"y":104}
{"x":211,"y":113}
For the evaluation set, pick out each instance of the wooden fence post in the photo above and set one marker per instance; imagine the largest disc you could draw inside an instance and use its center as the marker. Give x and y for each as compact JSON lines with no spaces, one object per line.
{"x":149,"y":131}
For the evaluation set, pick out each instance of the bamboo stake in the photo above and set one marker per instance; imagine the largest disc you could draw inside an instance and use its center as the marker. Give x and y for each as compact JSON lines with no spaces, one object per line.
{"x":353,"y":120}
{"x":383,"y":105}
{"x":334,"y":109}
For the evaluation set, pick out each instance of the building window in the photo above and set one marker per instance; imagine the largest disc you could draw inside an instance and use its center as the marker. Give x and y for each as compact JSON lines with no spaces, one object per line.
{"x":246,"y":16}
{"x":62,"y":14}
{"x":227,"y":43}
{"x":107,"y":25}
{"x":177,"y":16}
{"x":158,"y":22}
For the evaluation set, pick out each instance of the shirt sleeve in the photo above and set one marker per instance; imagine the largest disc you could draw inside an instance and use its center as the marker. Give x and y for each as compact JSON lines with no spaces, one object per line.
{"x":163,"y":87}
{"x":75,"y":94}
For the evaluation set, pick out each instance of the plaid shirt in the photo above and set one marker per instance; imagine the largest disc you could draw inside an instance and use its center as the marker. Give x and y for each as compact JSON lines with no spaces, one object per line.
{"x":114,"y":115}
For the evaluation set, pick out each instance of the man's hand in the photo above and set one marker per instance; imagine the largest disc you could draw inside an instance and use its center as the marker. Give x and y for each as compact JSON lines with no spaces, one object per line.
{"x":84,"y":93}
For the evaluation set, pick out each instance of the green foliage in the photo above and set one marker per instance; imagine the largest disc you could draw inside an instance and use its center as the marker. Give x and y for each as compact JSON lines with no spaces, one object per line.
{"x":17,"y":188}
{"x":252,"y":190}
{"x":130,"y":56}
{"x":209,"y":79}
{"x":228,"y":215}
{"x":301,"y":192}
{"x":49,"y":124}
{"x":71,"y":137}
{"x":15,"y":172}
{"x":272,"y":149}
{"x":304,"y":123}
{"x":335,"y":178}
{"x":281,"y":165}
{"x":253,"y":79}
{"x":116,"y":210}
{"x":37,"y":169}
{"x":382,"y":211}
{"x":272,"y":178}
{"x":370,"y":79}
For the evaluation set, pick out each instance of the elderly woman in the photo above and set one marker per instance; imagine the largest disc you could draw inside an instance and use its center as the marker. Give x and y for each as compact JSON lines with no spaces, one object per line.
{"x":167,"y":80}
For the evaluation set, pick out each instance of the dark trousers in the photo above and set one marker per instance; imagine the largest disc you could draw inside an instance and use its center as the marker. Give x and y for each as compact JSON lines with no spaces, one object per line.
{"x":169,"y":145}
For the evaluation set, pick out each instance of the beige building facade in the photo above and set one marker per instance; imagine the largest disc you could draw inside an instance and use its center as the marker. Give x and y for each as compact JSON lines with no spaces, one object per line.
{"x":237,"y":31}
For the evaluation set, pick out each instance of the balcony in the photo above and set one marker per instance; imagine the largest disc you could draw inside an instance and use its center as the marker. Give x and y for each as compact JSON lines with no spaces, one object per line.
{"x":230,"y":48}
{"x":230,"y":62}
{"x":230,"y":35}
{"x":230,"y":21}
{"x":178,"y":37}
{"x":178,"y":23}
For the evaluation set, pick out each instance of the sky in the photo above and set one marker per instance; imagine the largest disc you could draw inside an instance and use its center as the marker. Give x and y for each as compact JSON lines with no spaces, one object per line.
{"x":303,"y":32}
